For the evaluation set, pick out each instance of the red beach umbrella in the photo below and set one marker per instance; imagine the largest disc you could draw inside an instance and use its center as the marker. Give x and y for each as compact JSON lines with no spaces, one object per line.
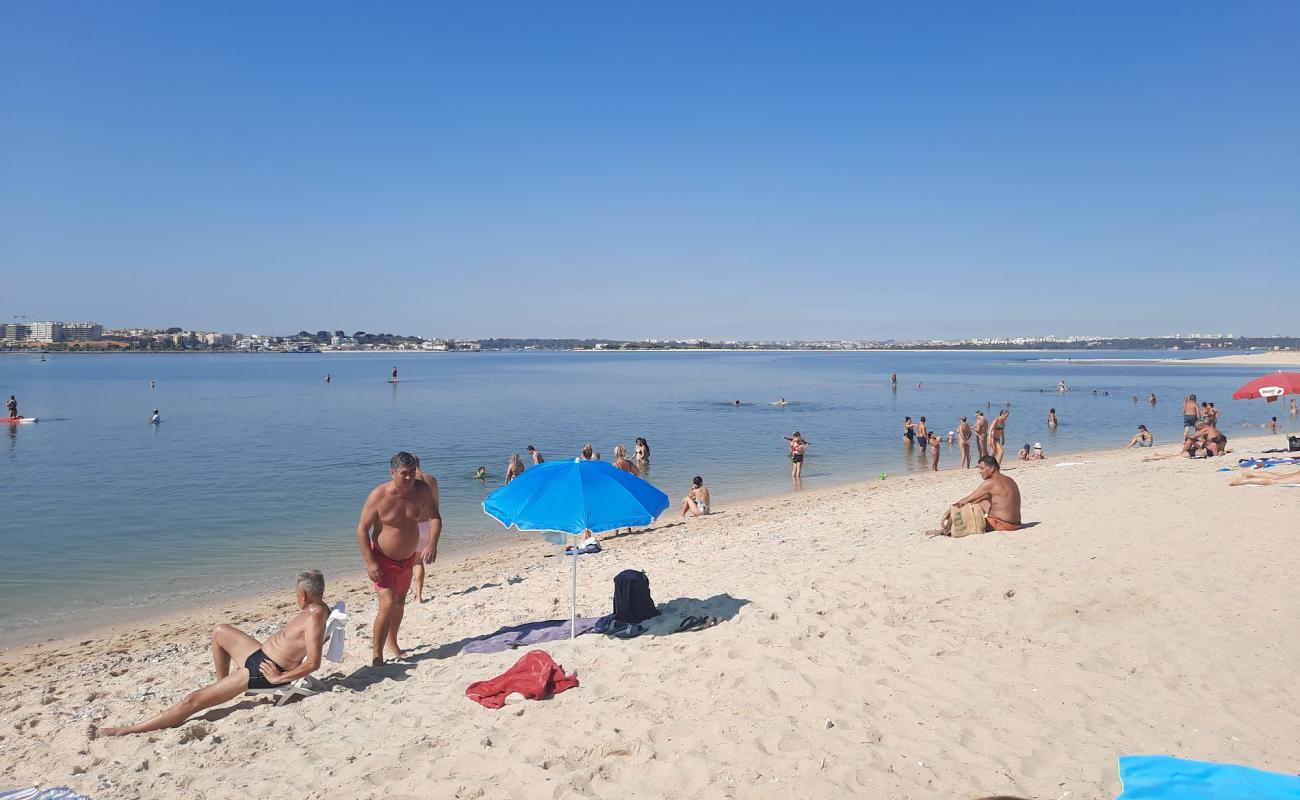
{"x":1270,"y":387}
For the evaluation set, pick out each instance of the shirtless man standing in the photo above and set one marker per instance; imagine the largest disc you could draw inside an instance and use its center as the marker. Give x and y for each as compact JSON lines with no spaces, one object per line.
{"x":388,"y":535}
{"x":430,"y":529}
{"x":998,"y":496}
{"x":963,"y":439}
{"x":982,"y":433}
{"x":1190,"y":415}
{"x":260,"y":666}
{"x":997,"y":434}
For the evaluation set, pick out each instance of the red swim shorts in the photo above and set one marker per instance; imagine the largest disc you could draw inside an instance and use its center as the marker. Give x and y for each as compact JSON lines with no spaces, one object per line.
{"x":395,"y":575}
{"x":993,"y":522}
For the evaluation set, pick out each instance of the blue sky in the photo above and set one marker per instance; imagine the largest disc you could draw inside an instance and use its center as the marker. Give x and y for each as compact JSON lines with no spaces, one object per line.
{"x":728,"y":169}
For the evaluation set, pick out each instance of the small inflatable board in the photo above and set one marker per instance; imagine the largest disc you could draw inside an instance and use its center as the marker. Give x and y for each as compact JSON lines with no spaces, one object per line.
{"x":390,"y":380}
{"x":19,"y":420}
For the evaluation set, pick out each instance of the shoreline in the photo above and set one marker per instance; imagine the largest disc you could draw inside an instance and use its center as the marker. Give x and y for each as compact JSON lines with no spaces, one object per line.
{"x":485,"y":549}
{"x":132,"y":618}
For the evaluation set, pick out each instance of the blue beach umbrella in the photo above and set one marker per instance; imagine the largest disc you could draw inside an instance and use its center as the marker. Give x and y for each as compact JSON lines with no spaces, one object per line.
{"x":575,"y":497}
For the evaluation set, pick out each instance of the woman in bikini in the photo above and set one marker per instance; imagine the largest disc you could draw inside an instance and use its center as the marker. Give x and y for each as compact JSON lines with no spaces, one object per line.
{"x":696,"y":501}
{"x":908,"y":434}
{"x":642,"y":454}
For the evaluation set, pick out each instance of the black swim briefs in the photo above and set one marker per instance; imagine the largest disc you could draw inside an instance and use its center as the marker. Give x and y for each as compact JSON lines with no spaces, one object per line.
{"x":256,"y":680}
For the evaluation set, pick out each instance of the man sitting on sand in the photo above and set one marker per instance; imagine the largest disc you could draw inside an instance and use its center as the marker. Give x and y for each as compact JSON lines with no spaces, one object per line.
{"x":389,"y":538}
{"x":260,"y":666}
{"x":997,"y":496}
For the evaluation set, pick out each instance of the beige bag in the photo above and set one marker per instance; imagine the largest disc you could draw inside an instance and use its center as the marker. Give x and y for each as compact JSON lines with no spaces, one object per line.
{"x":967,"y":519}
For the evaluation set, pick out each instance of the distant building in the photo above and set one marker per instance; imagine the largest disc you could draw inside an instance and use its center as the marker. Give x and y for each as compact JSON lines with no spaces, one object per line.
{"x":81,"y":332}
{"x":14,"y":332}
{"x":46,"y":332}
{"x":217,"y":339}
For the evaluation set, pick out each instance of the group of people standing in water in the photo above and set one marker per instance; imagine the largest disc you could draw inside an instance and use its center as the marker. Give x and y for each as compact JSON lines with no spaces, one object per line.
{"x":989,"y":437}
{"x":638,"y":465}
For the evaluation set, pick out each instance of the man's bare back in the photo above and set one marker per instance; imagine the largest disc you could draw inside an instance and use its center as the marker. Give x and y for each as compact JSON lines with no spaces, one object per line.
{"x":1004,"y":498}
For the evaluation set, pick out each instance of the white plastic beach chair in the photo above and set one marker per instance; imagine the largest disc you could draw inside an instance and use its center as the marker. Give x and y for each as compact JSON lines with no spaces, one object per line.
{"x":309,"y":685}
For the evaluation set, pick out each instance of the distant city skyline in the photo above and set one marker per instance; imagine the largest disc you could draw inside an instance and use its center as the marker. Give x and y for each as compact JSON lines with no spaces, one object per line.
{"x":51,"y":331}
{"x":726,"y":170}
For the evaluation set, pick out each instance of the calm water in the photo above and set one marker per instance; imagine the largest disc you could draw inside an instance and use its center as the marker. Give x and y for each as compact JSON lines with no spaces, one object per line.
{"x":259,"y":468}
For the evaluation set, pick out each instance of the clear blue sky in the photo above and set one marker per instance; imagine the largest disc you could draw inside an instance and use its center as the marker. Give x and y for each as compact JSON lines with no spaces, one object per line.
{"x":724,"y":169}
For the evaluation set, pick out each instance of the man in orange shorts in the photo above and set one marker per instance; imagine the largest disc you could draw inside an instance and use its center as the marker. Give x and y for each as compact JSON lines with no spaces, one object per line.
{"x":389,"y":535}
{"x":997,"y":496}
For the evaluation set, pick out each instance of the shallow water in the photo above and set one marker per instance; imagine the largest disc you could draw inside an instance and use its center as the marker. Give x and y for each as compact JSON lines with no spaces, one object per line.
{"x":259,"y":468}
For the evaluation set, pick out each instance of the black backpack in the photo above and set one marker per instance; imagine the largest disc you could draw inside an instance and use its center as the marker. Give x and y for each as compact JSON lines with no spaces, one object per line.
{"x":632,"y":601}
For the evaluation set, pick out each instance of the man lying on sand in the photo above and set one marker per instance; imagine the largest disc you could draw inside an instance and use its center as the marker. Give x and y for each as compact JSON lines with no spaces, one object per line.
{"x":997,"y":496}
{"x":1258,"y":477}
{"x":262,"y":666}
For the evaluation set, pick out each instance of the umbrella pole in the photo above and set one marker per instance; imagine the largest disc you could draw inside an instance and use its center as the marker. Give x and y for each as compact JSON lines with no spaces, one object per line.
{"x":573,"y":595}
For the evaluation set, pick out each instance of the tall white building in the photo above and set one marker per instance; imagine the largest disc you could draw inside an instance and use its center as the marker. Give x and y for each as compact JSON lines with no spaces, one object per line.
{"x":47,"y":332}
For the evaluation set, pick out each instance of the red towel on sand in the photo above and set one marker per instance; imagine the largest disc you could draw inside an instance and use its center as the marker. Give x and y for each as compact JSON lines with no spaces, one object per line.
{"x":535,"y":676}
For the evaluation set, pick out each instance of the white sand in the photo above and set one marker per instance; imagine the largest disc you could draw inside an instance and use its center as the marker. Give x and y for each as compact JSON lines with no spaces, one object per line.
{"x":1271,"y":358}
{"x":1151,"y":609}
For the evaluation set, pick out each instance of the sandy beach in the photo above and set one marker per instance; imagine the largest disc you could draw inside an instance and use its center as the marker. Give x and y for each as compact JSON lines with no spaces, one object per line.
{"x":1274,"y":358}
{"x":1149,"y":608}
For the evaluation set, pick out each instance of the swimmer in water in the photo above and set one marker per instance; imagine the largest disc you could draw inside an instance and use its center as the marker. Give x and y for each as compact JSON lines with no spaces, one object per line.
{"x":480,"y":473}
{"x":155,"y":419}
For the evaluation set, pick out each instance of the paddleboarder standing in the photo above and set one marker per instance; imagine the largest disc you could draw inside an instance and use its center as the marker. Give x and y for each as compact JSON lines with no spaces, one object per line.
{"x":12,"y":407}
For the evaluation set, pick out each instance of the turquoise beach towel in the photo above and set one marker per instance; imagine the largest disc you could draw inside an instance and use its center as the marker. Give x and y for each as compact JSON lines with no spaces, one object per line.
{"x":1169,"y":778}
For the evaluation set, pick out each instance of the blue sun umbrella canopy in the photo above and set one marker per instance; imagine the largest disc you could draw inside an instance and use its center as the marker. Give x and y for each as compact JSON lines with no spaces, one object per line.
{"x":575,"y":497}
